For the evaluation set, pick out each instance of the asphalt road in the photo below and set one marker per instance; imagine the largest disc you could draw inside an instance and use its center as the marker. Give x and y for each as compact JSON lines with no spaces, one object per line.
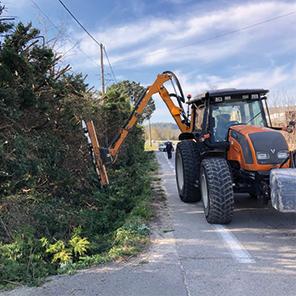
{"x":254,"y":255}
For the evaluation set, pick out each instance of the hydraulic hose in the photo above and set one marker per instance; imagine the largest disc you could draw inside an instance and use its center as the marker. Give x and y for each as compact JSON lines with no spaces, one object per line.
{"x":181,"y":97}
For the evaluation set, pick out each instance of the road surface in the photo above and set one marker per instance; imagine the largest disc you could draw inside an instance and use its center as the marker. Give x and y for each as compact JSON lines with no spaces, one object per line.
{"x":254,"y":255}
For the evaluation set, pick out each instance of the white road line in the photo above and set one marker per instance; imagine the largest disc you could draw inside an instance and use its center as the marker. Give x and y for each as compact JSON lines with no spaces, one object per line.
{"x":238,"y":252}
{"x":169,"y":162}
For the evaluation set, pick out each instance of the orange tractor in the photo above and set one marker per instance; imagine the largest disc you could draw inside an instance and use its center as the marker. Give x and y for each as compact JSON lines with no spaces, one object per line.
{"x":227,"y":145}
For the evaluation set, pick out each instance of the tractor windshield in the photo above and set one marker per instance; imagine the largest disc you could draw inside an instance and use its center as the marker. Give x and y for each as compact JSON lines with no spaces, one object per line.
{"x":226,"y":114}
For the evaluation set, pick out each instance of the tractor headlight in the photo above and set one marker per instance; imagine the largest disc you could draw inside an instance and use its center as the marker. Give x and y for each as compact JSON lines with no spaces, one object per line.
{"x":283,"y":154}
{"x":262,"y":155}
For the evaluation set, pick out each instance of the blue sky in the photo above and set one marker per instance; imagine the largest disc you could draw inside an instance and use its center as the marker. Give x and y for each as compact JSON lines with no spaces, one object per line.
{"x":144,"y":38}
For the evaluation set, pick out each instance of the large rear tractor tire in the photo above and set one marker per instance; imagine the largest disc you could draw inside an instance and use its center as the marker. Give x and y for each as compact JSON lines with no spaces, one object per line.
{"x":217,"y":190}
{"x":187,"y":171}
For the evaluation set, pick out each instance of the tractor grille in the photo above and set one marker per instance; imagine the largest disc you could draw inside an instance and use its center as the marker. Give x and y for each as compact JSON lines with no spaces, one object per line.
{"x":270,"y":143}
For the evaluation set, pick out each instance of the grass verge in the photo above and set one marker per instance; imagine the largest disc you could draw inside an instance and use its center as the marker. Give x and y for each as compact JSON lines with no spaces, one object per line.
{"x":29,"y":260}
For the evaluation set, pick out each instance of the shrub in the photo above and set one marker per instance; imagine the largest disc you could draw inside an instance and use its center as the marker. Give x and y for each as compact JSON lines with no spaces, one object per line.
{"x":53,"y":216}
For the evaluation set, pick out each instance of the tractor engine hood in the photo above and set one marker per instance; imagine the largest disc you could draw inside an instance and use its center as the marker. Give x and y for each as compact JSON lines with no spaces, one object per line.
{"x":260,"y":145}
{"x":270,"y":147}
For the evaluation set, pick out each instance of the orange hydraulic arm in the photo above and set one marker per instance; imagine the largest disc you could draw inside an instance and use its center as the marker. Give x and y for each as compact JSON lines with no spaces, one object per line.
{"x":101,"y":155}
{"x":156,"y":87}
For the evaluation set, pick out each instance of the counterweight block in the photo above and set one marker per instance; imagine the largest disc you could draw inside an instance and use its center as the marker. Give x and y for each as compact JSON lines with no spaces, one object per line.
{"x":283,"y":193}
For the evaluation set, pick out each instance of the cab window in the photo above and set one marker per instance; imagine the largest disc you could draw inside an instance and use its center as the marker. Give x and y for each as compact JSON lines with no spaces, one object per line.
{"x":224,"y":115}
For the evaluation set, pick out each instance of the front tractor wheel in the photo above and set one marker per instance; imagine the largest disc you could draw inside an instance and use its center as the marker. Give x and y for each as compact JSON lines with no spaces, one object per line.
{"x":217,"y":190}
{"x":187,"y":171}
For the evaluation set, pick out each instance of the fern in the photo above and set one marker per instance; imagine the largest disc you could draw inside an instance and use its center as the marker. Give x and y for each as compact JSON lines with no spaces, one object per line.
{"x":63,"y":256}
{"x":56,"y":247}
{"x":44,"y":242}
{"x":60,"y":253}
{"x":79,"y":245}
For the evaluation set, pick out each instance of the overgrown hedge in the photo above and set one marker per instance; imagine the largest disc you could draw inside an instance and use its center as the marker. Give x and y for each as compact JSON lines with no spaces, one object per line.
{"x":53,"y":217}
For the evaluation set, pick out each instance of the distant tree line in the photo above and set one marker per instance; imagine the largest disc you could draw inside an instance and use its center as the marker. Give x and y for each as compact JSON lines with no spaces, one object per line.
{"x":162,"y":131}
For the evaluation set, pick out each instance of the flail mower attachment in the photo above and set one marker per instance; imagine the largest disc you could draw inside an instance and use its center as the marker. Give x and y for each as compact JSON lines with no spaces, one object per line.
{"x":95,"y":152}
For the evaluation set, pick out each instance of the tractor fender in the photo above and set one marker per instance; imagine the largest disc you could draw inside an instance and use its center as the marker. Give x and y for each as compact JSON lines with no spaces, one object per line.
{"x":186,"y":136}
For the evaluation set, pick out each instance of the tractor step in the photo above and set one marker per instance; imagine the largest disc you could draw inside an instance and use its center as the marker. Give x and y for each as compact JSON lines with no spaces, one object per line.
{"x":283,"y":189}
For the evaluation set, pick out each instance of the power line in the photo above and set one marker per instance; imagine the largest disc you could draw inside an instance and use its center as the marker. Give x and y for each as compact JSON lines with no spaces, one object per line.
{"x":79,"y":23}
{"x":70,"y":49}
{"x":115,"y":80}
{"x":249,"y":26}
{"x":90,"y":35}
{"x":59,"y":30}
{"x":44,"y":14}
{"x":269,"y":20}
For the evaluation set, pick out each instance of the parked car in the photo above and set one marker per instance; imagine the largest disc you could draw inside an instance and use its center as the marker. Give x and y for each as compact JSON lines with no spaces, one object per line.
{"x":161,"y":147}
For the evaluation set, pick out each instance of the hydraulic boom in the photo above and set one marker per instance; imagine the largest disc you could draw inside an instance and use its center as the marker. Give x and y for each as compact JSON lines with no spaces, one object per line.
{"x":103,"y":156}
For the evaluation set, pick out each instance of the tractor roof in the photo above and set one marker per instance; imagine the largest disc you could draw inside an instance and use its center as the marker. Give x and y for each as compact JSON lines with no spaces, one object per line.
{"x":227,"y":94}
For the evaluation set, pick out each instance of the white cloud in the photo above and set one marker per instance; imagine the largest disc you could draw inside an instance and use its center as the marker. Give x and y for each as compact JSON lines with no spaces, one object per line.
{"x":276,"y":80}
{"x":128,"y":35}
{"x":268,"y":78}
{"x":183,"y":40}
{"x":181,"y":43}
{"x":158,"y":41}
{"x":234,"y":17}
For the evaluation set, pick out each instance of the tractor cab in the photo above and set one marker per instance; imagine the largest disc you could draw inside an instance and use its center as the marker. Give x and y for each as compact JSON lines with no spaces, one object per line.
{"x":238,"y":127}
{"x":234,"y":149}
{"x":218,"y":110}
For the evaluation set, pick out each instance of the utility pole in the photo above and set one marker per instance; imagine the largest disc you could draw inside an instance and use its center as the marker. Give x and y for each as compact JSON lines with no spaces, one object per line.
{"x":102,"y":68}
{"x":150,"y":136}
